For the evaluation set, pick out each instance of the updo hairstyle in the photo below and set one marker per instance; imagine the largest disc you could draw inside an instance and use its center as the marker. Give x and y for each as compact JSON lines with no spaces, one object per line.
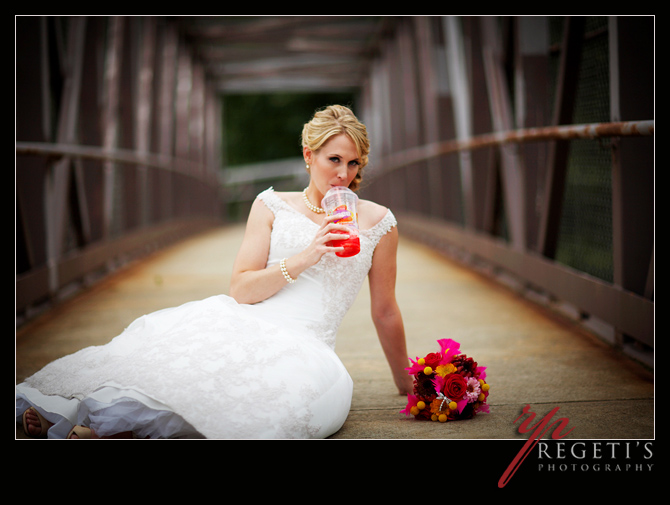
{"x":334,"y":120}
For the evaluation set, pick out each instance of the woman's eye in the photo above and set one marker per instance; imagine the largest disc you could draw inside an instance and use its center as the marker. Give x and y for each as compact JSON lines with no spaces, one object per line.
{"x":352,"y":164}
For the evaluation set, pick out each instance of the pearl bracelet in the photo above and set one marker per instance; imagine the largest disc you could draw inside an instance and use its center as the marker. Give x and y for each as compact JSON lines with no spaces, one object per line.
{"x":282,"y":266}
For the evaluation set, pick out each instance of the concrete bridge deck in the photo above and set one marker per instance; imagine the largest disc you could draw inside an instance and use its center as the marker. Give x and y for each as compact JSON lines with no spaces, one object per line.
{"x":534,"y":357}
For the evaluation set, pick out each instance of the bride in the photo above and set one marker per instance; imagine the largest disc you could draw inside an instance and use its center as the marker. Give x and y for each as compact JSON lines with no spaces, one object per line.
{"x":259,"y":363}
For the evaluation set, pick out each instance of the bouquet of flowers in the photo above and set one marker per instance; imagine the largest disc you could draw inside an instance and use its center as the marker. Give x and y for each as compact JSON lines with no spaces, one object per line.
{"x":447,"y":385}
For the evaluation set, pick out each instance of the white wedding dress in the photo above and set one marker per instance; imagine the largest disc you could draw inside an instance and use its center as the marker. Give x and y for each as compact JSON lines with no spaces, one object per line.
{"x":218,"y":369}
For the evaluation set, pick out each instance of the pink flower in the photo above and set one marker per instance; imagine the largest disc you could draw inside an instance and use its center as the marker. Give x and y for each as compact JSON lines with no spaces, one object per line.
{"x":449,"y":348}
{"x":411,"y":402}
{"x":415,"y":368}
{"x":473,"y":390}
{"x":460,"y":405}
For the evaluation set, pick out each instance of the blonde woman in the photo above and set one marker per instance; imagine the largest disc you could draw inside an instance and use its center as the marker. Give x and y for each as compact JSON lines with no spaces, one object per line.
{"x":259,"y":363}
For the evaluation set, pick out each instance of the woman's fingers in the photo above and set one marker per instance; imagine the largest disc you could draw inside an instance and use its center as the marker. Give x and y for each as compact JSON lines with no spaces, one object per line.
{"x":330,"y":224}
{"x":329,"y":234}
{"x":336,"y":233}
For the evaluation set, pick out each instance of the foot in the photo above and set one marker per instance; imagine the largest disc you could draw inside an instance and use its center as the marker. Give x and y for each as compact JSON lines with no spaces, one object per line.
{"x":34,"y":424}
{"x":82,"y":432}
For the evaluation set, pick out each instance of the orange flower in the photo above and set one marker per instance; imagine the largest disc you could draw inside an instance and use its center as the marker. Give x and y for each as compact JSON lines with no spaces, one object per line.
{"x":444,"y":370}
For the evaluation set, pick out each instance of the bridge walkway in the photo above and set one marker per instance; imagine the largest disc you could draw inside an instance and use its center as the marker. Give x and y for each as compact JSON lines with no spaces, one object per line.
{"x":534,"y":356}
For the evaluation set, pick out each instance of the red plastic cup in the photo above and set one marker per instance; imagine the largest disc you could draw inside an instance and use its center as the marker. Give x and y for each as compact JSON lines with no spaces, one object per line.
{"x":344,"y":202}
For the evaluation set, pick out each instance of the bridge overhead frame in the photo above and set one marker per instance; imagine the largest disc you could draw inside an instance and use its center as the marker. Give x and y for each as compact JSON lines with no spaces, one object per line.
{"x":474,"y":121}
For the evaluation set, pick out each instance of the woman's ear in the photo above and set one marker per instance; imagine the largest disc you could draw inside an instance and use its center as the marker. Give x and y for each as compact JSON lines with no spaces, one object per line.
{"x":307,"y":154}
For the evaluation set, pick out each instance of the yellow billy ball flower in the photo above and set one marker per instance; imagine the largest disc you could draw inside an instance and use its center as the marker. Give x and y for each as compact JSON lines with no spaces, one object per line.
{"x":421,"y":405}
{"x":485,"y":387}
{"x":443,"y":418}
{"x":428,"y":370}
{"x":452,"y":405}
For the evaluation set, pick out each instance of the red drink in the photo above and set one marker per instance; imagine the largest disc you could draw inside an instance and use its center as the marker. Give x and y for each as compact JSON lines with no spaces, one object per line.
{"x":343,"y":202}
{"x":352,"y":245}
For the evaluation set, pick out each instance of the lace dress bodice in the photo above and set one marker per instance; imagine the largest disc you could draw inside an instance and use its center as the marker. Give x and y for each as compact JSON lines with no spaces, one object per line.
{"x":326,"y":291}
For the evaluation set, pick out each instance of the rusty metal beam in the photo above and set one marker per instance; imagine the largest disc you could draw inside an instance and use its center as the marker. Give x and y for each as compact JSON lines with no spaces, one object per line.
{"x":512,"y":167}
{"x":184,"y":167}
{"x":531,"y":106}
{"x":557,"y":162}
{"x":460,"y":84}
{"x":58,"y":176}
{"x":584,"y":131}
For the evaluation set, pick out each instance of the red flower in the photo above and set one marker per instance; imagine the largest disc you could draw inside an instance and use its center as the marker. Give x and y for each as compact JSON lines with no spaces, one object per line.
{"x":433,"y":359}
{"x":455,"y":387}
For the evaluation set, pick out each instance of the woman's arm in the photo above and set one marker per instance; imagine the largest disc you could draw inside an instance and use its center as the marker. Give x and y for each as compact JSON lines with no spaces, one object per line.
{"x":385,"y":311}
{"x":251,"y":281}
{"x":248,"y":270}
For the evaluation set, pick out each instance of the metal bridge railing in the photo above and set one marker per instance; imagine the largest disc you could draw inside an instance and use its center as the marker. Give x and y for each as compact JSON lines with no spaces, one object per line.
{"x":593,"y":299}
{"x":568,"y":132}
{"x":569,"y":210}
{"x":168,"y":198}
{"x":117,"y":152}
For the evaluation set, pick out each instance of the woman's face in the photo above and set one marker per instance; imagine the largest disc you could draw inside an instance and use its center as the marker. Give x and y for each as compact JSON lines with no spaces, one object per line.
{"x":335,"y":164}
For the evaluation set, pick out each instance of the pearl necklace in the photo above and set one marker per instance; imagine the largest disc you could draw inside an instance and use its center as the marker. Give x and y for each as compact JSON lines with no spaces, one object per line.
{"x":311,"y":207}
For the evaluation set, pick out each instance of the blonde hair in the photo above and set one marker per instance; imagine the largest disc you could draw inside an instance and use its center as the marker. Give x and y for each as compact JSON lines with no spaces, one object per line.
{"x":335,"y":120}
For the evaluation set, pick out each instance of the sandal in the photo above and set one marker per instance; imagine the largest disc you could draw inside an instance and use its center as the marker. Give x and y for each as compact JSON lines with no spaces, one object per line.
{"x":44,"y":424}
{"x":82,"y":432}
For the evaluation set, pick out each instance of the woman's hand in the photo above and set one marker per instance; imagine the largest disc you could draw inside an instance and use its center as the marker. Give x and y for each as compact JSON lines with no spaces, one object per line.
{"x":405,"y":383}
{"x":251,"y":281}
{"x":327,"y":232}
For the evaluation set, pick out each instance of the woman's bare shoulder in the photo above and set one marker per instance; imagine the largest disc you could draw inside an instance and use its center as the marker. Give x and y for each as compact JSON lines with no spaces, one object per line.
{"x":370,"y":213}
